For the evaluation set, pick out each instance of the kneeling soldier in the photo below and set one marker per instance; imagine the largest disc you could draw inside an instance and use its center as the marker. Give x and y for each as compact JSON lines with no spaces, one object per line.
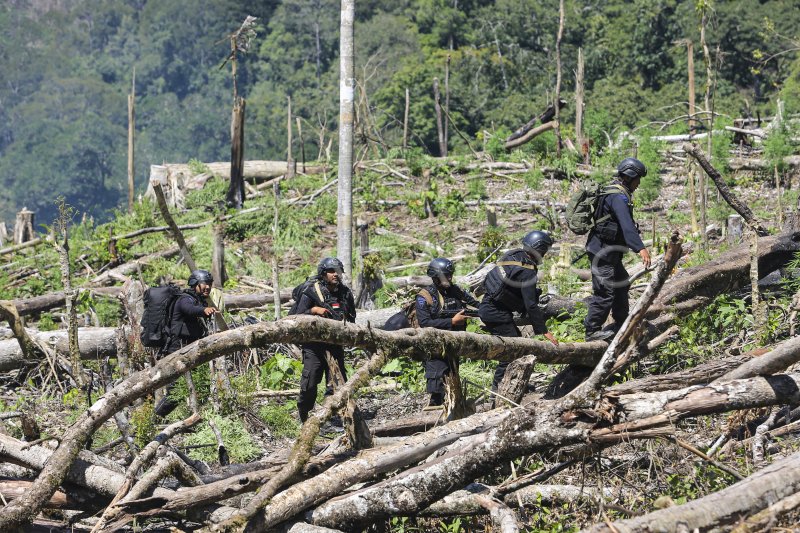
{"x":442,"y":305}
{"x":510,"y":287}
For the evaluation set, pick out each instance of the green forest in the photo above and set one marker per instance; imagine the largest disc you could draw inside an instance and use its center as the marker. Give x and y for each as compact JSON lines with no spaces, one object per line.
{"x":68,"y":66}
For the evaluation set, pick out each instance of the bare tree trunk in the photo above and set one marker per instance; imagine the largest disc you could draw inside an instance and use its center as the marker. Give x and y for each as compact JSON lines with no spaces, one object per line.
{"x":446,"y":100}
{"x":176,"y":232}
{"x":131,"y":130}
{"x":235,"y":196}
{"x":218,"y":271}
{"x":69,"y":293}
{"x":347,"y":85}
{"x":276,"y":290}
{"x":739,"y":207}
{"x":405,"y":121}
{"x":291,"y":167}
{"x":703,"y":187}
{"x":302,"y":144}
{"x":579,"y":108}
{"x":439,"y":125}
{"x":558,"y":75}
{"x":23,"y":227}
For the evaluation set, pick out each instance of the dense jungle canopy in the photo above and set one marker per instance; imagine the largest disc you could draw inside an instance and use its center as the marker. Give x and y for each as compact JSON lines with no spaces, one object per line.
{"x":68,"y":65}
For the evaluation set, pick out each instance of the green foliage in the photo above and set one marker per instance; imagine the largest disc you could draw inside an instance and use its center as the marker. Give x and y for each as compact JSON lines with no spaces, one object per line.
{"x":779,"y":145}
{"x":699,"y":330}
{"x":648,"y":153}
{"x":491,"y":240}
{"x":280,"y":372}
{"x":238,"y":442}
{"x":64,"y":91}
{"x":143,"y":423}
{"x":280,"y":419}
{"x":569,"y":328}
{"x":410,"y":374}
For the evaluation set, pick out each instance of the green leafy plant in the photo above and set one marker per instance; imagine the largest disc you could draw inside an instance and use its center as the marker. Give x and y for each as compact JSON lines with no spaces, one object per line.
{"x":280,"y":372}
{"x":488,"y":246}
{"x":410,"y":374}
{"x":239,"y":444}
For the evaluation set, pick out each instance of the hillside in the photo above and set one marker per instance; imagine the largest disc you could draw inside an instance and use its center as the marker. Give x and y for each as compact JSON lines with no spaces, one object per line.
{"x":69,"y":65}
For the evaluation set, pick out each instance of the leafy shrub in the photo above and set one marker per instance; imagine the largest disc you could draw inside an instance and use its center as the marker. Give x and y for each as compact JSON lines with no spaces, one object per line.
{"x":280,"y":372}
{"x":238,"y":442}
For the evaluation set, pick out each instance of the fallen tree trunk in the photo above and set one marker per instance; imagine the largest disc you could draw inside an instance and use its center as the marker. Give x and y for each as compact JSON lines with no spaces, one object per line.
{"x":121,"y":272}
{"x":525,"y":431}
{"x":729,"y":271}
{"x":95,"y":343}
{"x":46,"y":302}
{"x":726,"y":507}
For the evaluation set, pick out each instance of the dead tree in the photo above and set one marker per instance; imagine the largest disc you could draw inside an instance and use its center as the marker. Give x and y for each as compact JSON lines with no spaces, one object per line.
{"x":726,"y":193}
{"x":546,"y":116}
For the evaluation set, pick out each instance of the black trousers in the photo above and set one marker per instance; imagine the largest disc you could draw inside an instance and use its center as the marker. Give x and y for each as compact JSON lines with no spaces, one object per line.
{"x":435,"y":371}
{"x":315,"y":366}
{"x":610,"y":287}
{"x":498,"y":321}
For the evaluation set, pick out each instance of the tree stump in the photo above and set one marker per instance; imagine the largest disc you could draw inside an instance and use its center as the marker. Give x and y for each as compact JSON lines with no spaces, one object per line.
{"x":735,"y":229}
{"x":23,"y":227}
{"x":218,"y":271}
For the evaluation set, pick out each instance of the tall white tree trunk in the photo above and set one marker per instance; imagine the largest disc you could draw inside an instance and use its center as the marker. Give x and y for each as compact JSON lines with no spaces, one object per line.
{"x":344,"y":231}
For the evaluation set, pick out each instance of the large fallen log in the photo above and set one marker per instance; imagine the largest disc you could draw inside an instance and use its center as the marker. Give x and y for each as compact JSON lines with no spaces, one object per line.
{"x":729,"y":271}
{"x":95,"y":343}
{"x":726,"y":507}
{"x":53,"y":300}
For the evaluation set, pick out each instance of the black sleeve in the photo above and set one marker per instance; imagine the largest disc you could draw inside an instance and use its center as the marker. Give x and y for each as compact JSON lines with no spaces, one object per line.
{"x":426,"y":320}
{"x":305,"y":304}
{"x":468,"y":299}
{"x":351,"y":307}
{"x":528,"y":289}
{"x":187,"y":307}
{"x":619,"y":206}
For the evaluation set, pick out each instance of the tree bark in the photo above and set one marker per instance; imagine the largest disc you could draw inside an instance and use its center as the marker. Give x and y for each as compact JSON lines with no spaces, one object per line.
{"x":530,"y":134}
{"x":235,"y":196}
{"x":347,"y":84}
{"x":176,"y":233}
{"x":439,"y":125}
{"x":558,"y":76}
{"x":131,"y":132}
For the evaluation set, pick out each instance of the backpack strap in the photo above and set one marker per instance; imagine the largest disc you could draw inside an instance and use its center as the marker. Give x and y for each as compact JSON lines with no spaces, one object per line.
{"x":614,"y":188}
{"x":318,"y":290}
{"x":429,"y":298}
{"x":517,"y":264}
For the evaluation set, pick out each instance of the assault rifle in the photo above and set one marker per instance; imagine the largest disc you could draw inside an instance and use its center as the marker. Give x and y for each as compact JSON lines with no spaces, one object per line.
{"x":450,"y":313}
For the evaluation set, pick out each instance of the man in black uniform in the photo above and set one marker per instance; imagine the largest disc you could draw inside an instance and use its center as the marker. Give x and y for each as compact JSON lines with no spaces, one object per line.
{"x":326,"y":297}
{"x":441,"y":306}
{"x":614,"y":232}
{"x":187,"y":323}
{"x":511,"y":286}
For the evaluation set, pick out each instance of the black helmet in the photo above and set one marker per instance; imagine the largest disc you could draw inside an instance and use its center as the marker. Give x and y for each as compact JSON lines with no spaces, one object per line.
{"x":537,"y":243}
{"x":329,"y":263}
{"x":631,"y":168}
{"x":440,"y":267}
{"x":200,"y":276}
